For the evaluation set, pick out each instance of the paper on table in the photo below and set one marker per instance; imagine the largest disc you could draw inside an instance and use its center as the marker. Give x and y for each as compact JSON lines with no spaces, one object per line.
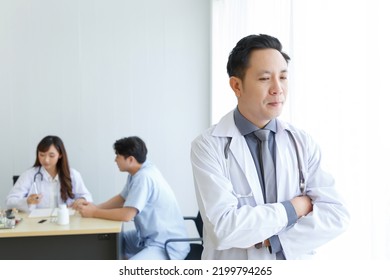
{"x":47,"y":212}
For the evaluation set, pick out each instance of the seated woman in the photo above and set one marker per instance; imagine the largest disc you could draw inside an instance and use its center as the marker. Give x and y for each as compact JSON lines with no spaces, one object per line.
{"x":49,"y":182}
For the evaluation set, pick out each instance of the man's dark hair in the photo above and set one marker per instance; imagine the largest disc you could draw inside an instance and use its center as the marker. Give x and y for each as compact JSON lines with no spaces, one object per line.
{"x":238,"y":61}
{"x":131,"y":146}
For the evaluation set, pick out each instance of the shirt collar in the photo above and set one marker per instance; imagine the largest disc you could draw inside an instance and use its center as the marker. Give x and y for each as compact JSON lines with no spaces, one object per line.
{"x":48,"y":176}
{"x":246,"y":127}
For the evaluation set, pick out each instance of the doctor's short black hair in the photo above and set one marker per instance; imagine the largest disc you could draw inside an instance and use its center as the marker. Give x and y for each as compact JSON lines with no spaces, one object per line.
{"x":131,"y":146}
{"x":238,"y":61}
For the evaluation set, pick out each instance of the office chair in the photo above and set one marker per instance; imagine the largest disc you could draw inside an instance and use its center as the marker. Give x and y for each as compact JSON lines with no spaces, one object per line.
{"x":196,"y":243}
{"x":15,"y":178}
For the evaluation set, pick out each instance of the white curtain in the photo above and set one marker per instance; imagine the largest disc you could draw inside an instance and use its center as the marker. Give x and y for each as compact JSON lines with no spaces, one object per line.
{"x":232,"y":20}
{"x":338,"y":93}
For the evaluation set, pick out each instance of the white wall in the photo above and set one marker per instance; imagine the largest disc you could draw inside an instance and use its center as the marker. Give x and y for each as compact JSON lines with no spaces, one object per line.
{"x":95,"y":71}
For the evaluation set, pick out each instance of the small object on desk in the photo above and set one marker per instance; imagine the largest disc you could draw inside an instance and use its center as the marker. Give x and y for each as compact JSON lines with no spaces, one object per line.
{"x":10,"y":214}
{"x":7,"y":223}
{"x":63,"y":215}
{"x":8,"y":219}
{"x":42,"y":221}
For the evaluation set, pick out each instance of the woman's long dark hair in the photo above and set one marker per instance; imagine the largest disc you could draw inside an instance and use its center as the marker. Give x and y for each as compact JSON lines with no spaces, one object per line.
{"x":62,"y":164}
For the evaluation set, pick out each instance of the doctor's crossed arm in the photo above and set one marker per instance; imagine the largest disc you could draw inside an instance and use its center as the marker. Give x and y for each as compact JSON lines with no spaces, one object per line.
{"x":260,"y":188}
{"x":302,"y":205}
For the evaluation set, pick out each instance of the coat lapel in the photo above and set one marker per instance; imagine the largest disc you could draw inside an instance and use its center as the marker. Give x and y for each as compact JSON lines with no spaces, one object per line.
{"x":240,"y":153}
{"x":242,"y":156}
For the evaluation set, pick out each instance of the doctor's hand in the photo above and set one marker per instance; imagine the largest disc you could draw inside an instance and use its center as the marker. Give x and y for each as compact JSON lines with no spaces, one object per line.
{"x":87,"y":209}
{"x":77,"y":203}
{"x":302,"y":205}
{"x":34,"y":199}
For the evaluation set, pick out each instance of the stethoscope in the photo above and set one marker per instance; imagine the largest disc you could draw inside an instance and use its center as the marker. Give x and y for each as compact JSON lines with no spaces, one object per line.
{"x":302,"y":182}
{"x":37,"y":174}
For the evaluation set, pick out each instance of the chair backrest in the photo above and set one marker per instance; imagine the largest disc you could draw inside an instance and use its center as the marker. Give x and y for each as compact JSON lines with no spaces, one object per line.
{"x":15,"y":178}
{"x":196,"y":243}
{"x":196,"y":248}
{"x":199,"y":224}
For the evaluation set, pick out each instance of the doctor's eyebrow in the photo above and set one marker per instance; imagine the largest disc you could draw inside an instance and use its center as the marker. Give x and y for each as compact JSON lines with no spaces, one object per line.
{"x":267,"y":72}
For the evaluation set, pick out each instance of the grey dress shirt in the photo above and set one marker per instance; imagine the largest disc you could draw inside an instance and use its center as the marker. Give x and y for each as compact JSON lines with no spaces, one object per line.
{"x":247,"y":129}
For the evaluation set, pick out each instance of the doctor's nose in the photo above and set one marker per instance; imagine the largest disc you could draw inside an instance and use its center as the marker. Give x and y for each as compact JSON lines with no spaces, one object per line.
{"x":276,"y":88}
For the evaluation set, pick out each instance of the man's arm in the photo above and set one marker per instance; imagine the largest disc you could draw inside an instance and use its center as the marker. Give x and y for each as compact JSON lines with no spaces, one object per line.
{"x":296,"y":208}
{"x":229,"y":226}
{"x":110,"y":210}
{"x":124,"y":214}
{"x":115,"y":202}
{"x":329,"y":217}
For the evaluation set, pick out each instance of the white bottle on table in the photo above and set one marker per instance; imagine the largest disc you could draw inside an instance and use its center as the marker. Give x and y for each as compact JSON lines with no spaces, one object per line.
{"x":63,"y":215}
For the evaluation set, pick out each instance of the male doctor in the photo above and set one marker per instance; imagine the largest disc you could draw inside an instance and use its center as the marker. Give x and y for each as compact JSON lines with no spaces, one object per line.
{"x":248,"y":211}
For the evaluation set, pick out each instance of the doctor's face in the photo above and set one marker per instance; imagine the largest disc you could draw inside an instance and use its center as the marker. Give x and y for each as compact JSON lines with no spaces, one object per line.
{"x":49,"y":158}
{"x":262,"y":92}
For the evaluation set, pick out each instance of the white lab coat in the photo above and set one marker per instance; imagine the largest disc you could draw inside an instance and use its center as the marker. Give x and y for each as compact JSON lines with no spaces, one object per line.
{"x":49,"y":188}
{"x":231,"y":201}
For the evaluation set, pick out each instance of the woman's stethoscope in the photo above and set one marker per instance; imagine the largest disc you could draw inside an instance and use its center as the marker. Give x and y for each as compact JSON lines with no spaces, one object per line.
{"x":302,"y":183}
{"x":37,"y":174}
{"x":35,"y":189}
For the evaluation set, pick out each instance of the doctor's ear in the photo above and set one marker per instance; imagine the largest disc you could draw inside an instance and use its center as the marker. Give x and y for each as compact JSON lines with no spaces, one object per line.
{"x":236,"y":85}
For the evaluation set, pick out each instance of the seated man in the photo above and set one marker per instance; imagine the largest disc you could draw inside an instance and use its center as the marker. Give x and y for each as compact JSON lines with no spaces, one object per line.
{"x":148,"y":199}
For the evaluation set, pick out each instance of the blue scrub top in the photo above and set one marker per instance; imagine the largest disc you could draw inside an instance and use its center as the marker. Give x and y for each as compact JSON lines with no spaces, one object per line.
{"x":159,"y":217}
